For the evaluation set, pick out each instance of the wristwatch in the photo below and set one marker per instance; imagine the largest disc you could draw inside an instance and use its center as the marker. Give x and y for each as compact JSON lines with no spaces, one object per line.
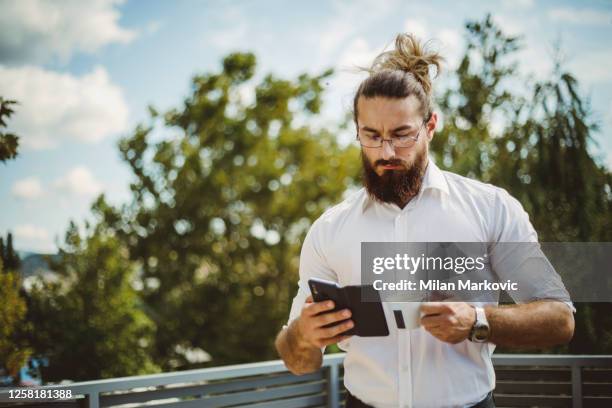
{"x":480,"y":330}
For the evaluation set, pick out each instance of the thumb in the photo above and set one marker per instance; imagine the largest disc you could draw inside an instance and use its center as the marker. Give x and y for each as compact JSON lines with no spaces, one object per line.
{"x":309,"y":299}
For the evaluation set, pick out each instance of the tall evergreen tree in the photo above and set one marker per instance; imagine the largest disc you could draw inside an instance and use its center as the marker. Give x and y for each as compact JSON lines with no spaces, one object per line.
{"x":11,"y":258}
{"x":2,"y":250}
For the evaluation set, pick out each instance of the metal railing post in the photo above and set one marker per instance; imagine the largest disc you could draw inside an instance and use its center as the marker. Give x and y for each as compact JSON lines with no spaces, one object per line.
{"x":333,"y":393}
{"x":576,"y":385}
{"x":93,"y":400}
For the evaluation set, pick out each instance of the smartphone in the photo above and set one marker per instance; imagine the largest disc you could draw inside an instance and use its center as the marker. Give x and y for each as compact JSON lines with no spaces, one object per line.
{"x":323,"y":290}
{"x":368,"y":317}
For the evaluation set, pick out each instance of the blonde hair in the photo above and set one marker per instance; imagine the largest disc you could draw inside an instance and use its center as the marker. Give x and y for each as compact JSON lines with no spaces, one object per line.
{"x":402,"y":72}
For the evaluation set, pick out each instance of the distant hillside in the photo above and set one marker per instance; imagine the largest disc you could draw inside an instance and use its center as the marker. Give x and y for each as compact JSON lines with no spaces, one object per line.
{"x":35,"y":264}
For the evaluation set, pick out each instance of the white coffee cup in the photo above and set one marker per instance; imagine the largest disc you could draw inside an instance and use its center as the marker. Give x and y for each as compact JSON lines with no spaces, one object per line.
{"x":411,"y":313}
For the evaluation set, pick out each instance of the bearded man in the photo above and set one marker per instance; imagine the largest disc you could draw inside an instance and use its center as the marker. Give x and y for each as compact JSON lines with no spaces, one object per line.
{"x":446,"y":361}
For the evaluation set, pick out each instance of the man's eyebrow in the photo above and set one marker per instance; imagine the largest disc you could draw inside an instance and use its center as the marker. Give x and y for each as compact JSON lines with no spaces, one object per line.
{"x":397,"y":129}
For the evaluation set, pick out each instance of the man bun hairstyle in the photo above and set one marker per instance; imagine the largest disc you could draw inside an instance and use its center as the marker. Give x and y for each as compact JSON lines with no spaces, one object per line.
{"x":402,"y":72}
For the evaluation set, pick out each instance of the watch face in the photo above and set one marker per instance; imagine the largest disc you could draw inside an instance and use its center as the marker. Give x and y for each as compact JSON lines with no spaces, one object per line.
{"x":481,"y":332}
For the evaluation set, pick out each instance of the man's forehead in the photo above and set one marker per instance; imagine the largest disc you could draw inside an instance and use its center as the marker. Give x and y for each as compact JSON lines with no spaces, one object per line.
{"x":388,"y":112}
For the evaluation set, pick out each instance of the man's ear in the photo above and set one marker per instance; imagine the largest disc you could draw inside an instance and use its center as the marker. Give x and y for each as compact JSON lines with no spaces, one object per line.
{"x":431,"y":125}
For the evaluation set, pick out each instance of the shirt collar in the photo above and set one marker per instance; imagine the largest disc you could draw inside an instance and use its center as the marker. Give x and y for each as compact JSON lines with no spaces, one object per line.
{"x":433,"y":179}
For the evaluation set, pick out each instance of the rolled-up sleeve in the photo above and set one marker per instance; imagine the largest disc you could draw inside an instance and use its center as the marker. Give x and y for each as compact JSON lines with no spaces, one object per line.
{"x":516,"y":254}
{"x":312,"y":265}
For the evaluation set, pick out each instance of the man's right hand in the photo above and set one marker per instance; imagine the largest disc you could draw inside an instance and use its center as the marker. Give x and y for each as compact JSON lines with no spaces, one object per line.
{"x":309,"y":326}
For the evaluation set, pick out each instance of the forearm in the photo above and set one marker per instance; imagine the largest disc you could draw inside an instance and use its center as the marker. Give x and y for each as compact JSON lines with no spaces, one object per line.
{"x":298,"y":358}
{"x":536,"y":324}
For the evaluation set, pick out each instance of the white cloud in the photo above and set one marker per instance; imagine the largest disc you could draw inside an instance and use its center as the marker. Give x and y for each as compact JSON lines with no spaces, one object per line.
{"x":518,"y":4}
{"x":79,"y":182}
{"x":452,"y":46}
{"x":153,"y":27}
{"x":510,"y":25}
{"x":28,"y":188}
{"x":34,"y":238}
{"x":29,"y":231}
{"x":55,"y":107}
{"x":358,"y":53}
{"x":592,"y":67}
{"x":580,"y":16}
{"x":230,"y":38}
{"x":234,"y":33}
{"x":37,"y":30}
{"x":536,"y":55}
{"x":344,"y":25}
{"x":536,"y":59}
{"x":416,"y":27}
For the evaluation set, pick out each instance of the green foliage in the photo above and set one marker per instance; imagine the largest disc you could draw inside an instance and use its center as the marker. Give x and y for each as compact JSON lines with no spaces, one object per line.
{"x":14,"y":352}
{"x":541,"y":155}
{"x":8,"y":141}
{"x":90,"y":322}
{"x":221,"y":204}
{"x":9,"y":256}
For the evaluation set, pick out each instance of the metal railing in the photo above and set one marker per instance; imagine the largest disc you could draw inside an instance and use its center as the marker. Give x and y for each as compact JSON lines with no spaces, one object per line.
{"x":522,"y":380}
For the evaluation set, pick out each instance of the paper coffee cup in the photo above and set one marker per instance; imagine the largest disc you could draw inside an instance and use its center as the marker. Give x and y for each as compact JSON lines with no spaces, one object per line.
{"x":410,"y":312}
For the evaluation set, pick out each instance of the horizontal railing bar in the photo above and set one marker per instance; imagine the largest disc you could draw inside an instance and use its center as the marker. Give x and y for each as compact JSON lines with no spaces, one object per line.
{"x":526,"y":373}
{"x":296,"y":401}
{"x":528,"y":400}
{"x":552,"y":360}
{"x":277,"y":366}
{"x":202,"y":374}
{"x":203,"y":389}
{"x":300,"y":402}
{"x":249,"y":397}
{"x":530,"y":387}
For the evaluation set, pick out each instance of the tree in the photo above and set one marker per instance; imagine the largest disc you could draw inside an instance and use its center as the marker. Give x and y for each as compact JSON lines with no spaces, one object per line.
{"x":220,"y":207}
{"x":8,"y":254}
{"x":8,"y":141}
{"x":89,"y":322}
{"x":541,"y":155}
{"x":14,"y":352}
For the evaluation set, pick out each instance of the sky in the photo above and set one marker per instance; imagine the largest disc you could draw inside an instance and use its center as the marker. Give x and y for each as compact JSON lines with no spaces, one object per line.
{"x":84,"y":73}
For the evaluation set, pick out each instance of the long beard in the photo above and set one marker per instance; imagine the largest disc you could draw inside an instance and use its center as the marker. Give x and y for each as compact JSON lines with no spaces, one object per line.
{"x":394,"y":186}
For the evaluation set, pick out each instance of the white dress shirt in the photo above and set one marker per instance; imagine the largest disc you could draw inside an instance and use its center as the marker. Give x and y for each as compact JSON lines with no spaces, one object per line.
{"x":411,"y":368}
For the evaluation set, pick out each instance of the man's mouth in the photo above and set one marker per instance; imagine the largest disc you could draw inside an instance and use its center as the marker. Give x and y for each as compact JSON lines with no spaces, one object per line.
{"x":390,"y":166}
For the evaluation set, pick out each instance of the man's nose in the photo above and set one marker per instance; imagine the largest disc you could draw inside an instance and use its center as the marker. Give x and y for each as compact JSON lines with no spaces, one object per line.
{"x":388,"y":151}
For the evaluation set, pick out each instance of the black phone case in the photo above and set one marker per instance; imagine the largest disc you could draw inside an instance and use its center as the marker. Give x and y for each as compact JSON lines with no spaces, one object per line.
{"x":369,"y":317}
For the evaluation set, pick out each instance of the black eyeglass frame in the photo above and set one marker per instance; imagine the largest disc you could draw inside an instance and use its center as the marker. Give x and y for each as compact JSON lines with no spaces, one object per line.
{"x":414,"y":138}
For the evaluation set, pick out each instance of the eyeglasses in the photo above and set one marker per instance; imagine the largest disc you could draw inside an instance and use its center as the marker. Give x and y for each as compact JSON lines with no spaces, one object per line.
{"x":374,"y":140}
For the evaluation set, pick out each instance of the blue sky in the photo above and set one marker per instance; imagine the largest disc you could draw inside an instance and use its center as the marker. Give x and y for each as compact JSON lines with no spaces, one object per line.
{"x":84,"y":73}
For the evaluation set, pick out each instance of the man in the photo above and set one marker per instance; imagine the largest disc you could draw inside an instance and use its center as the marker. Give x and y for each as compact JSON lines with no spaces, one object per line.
{"x":446,"y":362}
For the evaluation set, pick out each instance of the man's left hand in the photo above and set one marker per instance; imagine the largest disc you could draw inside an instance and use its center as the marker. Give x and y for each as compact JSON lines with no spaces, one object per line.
{"x":448,"y":321}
